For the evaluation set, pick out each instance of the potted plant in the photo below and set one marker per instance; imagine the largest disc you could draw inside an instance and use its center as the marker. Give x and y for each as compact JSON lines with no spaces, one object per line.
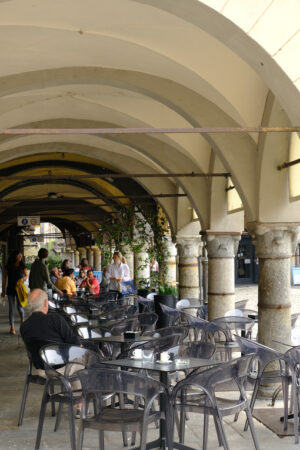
{"x":167,"y":295}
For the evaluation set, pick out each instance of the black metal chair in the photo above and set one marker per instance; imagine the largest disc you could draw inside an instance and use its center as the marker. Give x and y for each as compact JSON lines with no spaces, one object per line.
{"x":147,"y":322}
{"x":96,"y":382}
{"x":68,"y":357}
{"x":32,"y":347}
{"x":196,"y":393}
{"x":171,"y":314}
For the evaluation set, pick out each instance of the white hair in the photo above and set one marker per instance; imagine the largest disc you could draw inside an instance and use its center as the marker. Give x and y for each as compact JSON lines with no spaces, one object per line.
{"x":36,"y":300}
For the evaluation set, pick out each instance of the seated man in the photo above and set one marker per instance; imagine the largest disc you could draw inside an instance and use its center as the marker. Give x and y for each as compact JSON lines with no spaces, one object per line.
{"x":46,"y":328}
{"x":91,"y":283}
{"x":66,"y":283}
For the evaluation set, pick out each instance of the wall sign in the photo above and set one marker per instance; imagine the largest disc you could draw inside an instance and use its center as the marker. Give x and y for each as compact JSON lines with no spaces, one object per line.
{"x":24,"y":221}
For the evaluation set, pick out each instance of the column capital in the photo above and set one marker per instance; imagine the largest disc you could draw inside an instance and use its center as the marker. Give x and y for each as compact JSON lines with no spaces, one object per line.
{"x":171,"y":246}
{"x":275,"y":240}
{"x":188,"y":247}
{"x":221,"y":244}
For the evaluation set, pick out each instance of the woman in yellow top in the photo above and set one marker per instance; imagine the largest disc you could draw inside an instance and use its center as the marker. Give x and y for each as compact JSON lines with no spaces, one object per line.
{"x":66,"y":283}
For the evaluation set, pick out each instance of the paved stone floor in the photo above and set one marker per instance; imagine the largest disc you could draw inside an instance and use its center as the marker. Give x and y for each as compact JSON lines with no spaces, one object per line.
{"x":13,"y":363}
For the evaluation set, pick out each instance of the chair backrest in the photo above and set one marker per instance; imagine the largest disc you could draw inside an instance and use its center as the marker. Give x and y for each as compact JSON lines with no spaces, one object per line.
{"x":115,"y":314}
{"x":79,"y":318}
{"x":58,"y":355}
{"x":147,"y":319}
{"x":70,"y":309}
{"x":236,"y":370}
{"x":88,"y":333}
{"x":145,"y":304}
{"x":52,"y":305}
{"x":234,"y":313}
{"x":292,"y":358}
{"x":96,"y":382}
{"x":167,"y":331}
{"x":124,"y":325}
{"x":161,"y":344}
{"x":235,"y":323}
{"x":204,"y":350}
{"x":33,"y":347}
{"x":183,"y":303}
{"x":172,"y":314}
{"x":295,"y":336}
{"x":263,"y":354}
{"x":241,"y":304}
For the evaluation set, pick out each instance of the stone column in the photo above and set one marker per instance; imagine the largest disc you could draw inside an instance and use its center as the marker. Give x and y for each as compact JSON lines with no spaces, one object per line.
{"x":142,"y":265}
{"x":90,"y":256}
{"x":76,"y":258}
{"x":97,"y":258}
{"x":275,"y":244}
{"x":128,"y":253}
{"x":82,"y":253}
{"x":171,"y":259}
{"x":221,"y":249}
{"x":188,"y":251}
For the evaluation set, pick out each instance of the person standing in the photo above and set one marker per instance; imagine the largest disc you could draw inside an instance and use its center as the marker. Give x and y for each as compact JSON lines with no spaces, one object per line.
{"x":115,"y":274}
{"x":66,"y":264}
{"x":126,"y":270}
{"x":39,"y":275}
{"x":15,"y":271}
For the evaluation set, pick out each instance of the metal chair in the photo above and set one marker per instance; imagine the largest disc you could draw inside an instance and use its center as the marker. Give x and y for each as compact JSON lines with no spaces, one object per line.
{"x":147,"y":321}
{"x":168,"y":331}
{"x":32,"y":348}
{"x":77,"y":319}
{"x":96,"y":382}
{"x":156,"y":346}
{"x":196,"y":393}
{"x":68,"y":357}
{"x":263,"y":356}
{"x":292,"y":359}
{"x":236,"y":324}
{"x":173,"y":316}
{"x":145,"y":304}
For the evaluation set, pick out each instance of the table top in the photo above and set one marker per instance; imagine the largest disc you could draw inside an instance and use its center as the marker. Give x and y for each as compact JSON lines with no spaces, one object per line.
{"x":186,"y":363}
{"x":120,"y":339}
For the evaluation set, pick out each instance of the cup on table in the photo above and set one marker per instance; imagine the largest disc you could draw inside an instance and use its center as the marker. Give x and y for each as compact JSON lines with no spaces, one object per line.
{"x":137,"y":353}
{"x":164,"y":357}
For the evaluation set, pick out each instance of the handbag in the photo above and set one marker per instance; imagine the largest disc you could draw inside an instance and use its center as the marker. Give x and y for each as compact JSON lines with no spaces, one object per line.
{"x":22,"y":294}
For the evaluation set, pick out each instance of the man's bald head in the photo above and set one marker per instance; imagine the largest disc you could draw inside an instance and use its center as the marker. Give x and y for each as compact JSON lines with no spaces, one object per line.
{"x":38,"y":301}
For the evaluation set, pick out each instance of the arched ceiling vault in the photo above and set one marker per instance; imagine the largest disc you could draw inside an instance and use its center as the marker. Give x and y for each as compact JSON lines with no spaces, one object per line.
{"x":81,"y":65}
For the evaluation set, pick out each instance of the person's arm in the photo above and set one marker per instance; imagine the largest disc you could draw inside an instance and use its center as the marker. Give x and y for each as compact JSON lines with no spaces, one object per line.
{"x":25,"y":274}
{"x":109,"y":274}
{"x":65,"y":331}
{"x":4,"y":279}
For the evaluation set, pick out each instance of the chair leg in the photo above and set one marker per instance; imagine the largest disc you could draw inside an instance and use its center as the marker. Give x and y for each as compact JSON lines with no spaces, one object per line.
{"x":41,"y":419}
{"x":252,"y":401}
{"x":205,"y":430}
{"x":218,"y":431}
{"x":221,"y":429}
{"x":23,"y":403}
{"x":101,"y":439}
{"x":124,"y":433}
{"x":52,"y":403}
{"x":285,"y":391}
{"x":72,"y":425}
{"x":296,"y":412}
{"x":80,"y":435}
{"x":252,"y":429}
{"x":58,"y":417}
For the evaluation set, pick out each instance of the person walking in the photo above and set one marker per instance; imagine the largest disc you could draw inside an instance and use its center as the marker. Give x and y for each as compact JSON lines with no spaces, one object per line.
{"x":39,"y":275}
{"x":15,"y":271}
{"x":115,"y":274}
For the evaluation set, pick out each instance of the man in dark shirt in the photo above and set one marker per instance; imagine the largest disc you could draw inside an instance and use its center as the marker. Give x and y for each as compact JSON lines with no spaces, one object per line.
{"x":39,"y":276}
{"x":43,"y":327}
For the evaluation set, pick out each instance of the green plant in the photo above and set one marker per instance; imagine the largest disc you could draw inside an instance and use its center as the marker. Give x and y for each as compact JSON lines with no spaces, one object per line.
{"x":167,"y":289}
{"x":53,"y":261}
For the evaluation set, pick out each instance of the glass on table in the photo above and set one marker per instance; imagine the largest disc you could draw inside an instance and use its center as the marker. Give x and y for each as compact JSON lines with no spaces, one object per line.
{"x":148,"y":355}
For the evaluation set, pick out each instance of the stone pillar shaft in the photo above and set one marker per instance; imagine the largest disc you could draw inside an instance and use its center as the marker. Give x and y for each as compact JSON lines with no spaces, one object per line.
{"x":142,"y":266}
{"x":221,"y":249}
{"x":97,"y":258}
{"x":275,"y":244}
{"x":76,"y":258}
{"x":129,"y":256}
{"x":82,"y":253}
{"x":171,"y":259}
{"x":188,"y":251}
{"x":90,"y":257}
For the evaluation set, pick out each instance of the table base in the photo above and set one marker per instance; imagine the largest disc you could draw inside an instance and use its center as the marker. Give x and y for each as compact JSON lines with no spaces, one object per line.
{"x":161,"y":443}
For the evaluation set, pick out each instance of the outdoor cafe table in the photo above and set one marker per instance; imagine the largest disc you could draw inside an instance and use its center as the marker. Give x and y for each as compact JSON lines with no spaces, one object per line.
{"x":164,"y":370}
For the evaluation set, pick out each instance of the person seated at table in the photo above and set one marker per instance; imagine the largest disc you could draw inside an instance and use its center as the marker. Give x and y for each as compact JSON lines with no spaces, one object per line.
{"x":115,"y":274}
{"x":66,"y":283}
{"x":91,"y":283}
{"x":85,"y":265}
{"x":81,"y":277}
{"x":47,"y":328}
{"x":54,"y":275}
{"x":126,"y":270}
{"x":66,"y":264}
